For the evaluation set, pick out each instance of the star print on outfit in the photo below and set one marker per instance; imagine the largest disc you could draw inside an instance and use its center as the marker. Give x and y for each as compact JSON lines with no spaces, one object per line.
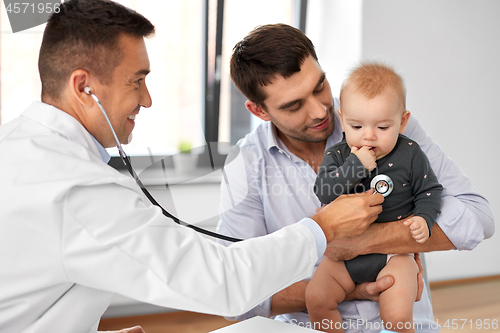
{"x":416,"y":191}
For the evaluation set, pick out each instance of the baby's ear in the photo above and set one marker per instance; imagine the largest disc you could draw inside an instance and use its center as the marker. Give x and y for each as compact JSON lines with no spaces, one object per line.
{"x":339,"y":110}
{"x":404,"y":121}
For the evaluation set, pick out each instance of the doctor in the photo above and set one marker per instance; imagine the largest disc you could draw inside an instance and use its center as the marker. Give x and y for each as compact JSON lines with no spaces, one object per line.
{"x":74,"y":231}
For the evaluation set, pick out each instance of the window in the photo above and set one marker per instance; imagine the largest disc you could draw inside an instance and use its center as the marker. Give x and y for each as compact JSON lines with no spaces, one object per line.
{"x":239,"y":19}
{"x":177,"y":79}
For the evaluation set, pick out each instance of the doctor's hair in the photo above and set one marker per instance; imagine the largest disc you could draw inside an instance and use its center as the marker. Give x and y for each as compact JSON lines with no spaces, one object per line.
{"x":84,"y":34}
{"x":268,"y":51}
{"x":371,"y":79}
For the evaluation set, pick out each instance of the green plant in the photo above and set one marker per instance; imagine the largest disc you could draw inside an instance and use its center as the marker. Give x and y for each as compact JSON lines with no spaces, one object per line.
{"x":185,"y":147}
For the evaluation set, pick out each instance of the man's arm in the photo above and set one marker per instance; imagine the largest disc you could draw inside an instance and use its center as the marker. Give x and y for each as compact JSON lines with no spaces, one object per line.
{"x":395,"y":237}
{"x":291,"y":299}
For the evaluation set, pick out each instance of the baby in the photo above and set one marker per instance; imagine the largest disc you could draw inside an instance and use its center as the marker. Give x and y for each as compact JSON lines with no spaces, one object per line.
{"x":374,"y":116}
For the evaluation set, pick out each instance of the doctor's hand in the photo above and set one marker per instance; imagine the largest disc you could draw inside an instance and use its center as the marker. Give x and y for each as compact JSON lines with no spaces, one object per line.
{"x":135,"y":329}
{"x":349,"y":215}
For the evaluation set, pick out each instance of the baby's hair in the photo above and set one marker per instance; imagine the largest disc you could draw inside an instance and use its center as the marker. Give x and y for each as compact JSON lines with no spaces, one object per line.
{"x":371,"y":78}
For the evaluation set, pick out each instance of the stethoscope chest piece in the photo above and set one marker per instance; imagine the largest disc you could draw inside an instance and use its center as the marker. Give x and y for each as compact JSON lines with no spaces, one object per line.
{"x":382,"y":184}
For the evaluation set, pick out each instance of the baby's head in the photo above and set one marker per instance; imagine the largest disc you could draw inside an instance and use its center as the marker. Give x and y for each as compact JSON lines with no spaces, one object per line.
{"x":373,"y":108}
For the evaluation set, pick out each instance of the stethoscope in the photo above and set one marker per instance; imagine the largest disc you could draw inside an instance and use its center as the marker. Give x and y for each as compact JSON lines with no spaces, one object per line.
{"x":132,"y":172}
{"x":382,"y":184}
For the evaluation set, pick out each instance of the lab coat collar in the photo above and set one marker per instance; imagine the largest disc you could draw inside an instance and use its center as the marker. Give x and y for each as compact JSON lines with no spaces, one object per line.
{"x":63,"y":123}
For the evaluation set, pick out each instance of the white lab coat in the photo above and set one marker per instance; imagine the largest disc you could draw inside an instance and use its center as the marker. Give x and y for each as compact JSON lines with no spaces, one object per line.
{"x":74,"y":231}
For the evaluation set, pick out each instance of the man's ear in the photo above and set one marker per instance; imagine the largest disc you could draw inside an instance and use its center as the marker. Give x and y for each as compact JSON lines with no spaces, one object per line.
{"x":404,"y":121}
{"x":256,"y":110}
{"x":80,"y":79}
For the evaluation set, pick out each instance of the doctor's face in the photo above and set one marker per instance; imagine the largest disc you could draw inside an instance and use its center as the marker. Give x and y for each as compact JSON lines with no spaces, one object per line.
{"x":127,"y":93}
{"x":301,"y":106}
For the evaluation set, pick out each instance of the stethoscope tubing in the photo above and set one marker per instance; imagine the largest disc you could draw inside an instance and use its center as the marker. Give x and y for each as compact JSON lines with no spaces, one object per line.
{"x":130,"y":169}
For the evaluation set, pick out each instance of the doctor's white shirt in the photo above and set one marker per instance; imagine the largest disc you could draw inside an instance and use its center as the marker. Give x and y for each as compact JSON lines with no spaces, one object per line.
{"x":74,"y":231}
{"x":267,"y":188}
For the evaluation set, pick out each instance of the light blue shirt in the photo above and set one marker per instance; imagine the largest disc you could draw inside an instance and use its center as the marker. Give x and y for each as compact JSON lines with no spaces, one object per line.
{"x":273,"y":188}
{"x":104,"y":154}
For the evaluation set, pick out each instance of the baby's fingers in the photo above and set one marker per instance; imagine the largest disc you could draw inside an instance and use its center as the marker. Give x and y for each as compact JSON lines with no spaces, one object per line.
{"x":420,"y":235}
{"x":408,"y":222}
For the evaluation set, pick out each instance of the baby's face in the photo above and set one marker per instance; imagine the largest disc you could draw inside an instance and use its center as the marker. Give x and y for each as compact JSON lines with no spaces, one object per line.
{"x":375,"y":122}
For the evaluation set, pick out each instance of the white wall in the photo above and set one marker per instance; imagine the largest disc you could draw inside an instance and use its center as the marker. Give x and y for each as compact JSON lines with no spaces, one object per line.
{"x":448,"y":52}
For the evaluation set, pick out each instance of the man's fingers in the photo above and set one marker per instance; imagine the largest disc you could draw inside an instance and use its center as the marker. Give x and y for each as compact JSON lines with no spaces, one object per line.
{"x":380,"y":285}
{"x":420,"y":279}
{"x":419,"y":262}
{"x":420,"y":282}
{"x":319,"y":209}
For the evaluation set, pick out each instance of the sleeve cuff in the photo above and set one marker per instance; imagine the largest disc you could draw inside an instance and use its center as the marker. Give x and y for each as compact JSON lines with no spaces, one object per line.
{"x":262,"y":310}
{"x":318,"y":234}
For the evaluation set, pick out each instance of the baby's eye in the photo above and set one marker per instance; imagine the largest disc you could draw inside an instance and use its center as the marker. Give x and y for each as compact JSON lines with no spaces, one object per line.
{"x":356,"y":126}
{"x":383,"y":128}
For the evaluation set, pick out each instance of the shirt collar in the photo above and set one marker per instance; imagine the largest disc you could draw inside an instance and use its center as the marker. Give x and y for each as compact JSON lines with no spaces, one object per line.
{"x":272,"y":136}
{"x":104,"y":154}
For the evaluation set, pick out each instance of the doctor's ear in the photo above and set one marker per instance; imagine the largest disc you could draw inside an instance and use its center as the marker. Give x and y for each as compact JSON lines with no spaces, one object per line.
{"x":257,"y":110}
{"x":79,"y":86}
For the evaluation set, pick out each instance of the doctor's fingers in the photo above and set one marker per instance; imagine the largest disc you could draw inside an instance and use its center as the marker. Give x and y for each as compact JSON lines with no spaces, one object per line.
{"x":350,"y":215}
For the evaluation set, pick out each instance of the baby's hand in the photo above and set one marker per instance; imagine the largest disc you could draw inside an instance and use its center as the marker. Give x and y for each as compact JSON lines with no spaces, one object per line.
{"x":418,"y":228}
{"x":366,"y":156}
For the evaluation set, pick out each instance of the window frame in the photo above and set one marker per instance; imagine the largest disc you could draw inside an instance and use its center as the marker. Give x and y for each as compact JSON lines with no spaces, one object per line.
{"x":212,"y":87}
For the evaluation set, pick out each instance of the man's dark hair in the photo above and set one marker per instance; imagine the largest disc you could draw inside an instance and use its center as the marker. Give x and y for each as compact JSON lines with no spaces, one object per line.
{"x":84,"y":35}
{"x":268,"y":51}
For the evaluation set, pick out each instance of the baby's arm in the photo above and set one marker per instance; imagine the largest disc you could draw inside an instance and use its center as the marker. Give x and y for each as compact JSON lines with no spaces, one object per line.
{"x":338,"y":175}
{"x":427,"y":192}
{"x":366,"y":156}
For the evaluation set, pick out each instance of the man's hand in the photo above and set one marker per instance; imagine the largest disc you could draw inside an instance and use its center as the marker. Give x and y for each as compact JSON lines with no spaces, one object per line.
{"x":370,"y":290}
{"x":366,"y":156}
{"x":420,"y":279}
{"x":135,"y":329}
{"x":349,"y":215}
